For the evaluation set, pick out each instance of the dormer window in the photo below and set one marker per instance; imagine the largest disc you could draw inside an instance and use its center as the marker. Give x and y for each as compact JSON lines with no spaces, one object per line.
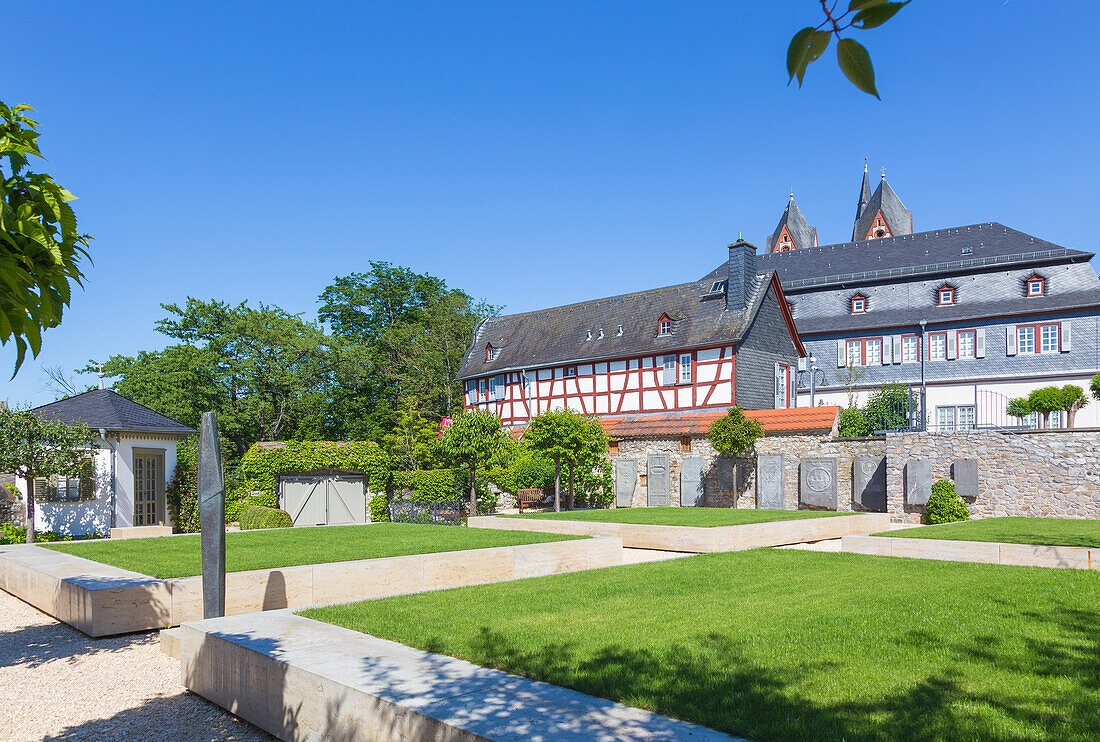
{"x":1036,"y":286}
{"x":859,"y":304}
{"x":490,"y":353}
{"x":664,"y":326}
{"x":946,"y":296}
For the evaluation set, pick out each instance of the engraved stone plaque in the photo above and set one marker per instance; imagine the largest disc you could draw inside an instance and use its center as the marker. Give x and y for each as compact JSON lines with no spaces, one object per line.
{"x":691,"y":482}
{"x":817,"y":482}
{"x":770,"y":491}
{"x":869,"y":482}
{"x":918,"y":481}
{"x":626,"y":477}
{"x":965,"y":474}
{"x":658,"y":478}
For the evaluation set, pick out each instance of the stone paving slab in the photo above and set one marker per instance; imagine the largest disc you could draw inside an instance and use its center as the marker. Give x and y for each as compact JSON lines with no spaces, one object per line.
{"x":986,"y":552}
{"x":102,"y":600}
{"x":303,"y":679}
{"x":700,"y":539}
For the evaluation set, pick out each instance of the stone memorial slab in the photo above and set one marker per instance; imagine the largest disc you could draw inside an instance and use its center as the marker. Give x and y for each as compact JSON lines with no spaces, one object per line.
{"x":211,"y":496}
{"x":691,"y":482}
{"x":965,"y":474}
{"x":724,"y":465}
{"x":770,"y":492}
{"x":817,"y":482}
{"x":626,"y":478}
{"x":918,"y":481}
{"x":869,"y":482}
{"x":657,"y":479}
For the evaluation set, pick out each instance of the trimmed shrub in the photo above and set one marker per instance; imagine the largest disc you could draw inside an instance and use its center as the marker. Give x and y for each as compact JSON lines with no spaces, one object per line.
{"x":253,"y":517}
{"x":945,"y":505}
{"x":853,"y":423}
{"x":379,"y":513}
{"x":10,"y":534}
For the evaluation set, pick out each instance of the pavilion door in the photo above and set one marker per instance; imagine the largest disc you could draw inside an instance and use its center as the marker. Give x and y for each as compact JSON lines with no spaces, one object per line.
{"x":148,"y":488}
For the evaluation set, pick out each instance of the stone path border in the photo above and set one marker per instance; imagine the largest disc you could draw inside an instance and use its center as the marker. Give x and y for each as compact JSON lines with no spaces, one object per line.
{"x":303,"y":679}
{"x":701,"y":539}
{"x":987,"y":552}
{"x":101,"y":600}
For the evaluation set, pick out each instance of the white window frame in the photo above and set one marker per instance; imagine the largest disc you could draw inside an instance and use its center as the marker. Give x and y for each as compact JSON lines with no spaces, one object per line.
{"x":664,"y":328}
{"x":973,"y":336}
{"x":859,"y":305}
{"x":932,"y":336}
{"x":1040,"y":282}
{"x":867,"y":345}
{"x":905,"y":348}
{"x":1043,"y":338}
{"x":685,"y":368}
{"x":950,"y":291}
{"x":67,"y":488}
{"x":857,"y":360}
{"x":482,"y":386}
{"x":1032,"y":345}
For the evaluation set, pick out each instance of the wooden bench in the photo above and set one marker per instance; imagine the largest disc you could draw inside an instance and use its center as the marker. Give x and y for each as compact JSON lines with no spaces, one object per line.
{"x":529,"y":498}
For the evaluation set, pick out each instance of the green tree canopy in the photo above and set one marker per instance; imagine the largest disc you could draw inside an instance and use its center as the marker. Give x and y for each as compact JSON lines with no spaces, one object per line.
{"x":32,"y":447}
{"x":475,"y":438}
{"x":562,"y":436}
{"x":1073,"y":399}
{"x":734,"y":434}
{"x":40,"y":247}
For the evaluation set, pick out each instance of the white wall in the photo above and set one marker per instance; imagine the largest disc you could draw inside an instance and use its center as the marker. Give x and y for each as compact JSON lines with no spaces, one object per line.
{"x":80,"y":518}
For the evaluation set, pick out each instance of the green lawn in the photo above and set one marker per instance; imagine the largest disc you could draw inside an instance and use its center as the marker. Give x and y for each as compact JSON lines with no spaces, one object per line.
{"x":1042,"y":531}
{"x":707,"y":517}
{"x":789,"y":645}
{"x":178,"y":556}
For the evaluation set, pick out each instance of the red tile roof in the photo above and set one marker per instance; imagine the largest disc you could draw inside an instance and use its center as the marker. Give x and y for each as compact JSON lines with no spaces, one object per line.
{"x":818,"y":420}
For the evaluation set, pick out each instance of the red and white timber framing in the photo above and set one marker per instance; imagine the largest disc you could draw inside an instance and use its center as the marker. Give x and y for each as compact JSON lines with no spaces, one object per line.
{"x":610,"y":387}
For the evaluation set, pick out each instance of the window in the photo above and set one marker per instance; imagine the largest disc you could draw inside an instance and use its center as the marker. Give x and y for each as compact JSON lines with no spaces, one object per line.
{"x":1036,"y":286}
{"x":664,"y":327}
{"x":718,"y":287}
{"x":490,"y":353}
{"x":480,"y":391}
{"x":859,"y":304}
{"x":1025,"y":339}
{"x":949,"y":419}
{"x":910,"y":349}
{"x":570,"y":371}
{"x":872,"y":350}
{"x":947,"y":296}
{"x":937,"y":346}
{"x":1048,"y":339}
{"x":967,"y":343}
{"x":68,"y":488}
{"x":668,"y":370}
{"x":685,"y":368}
{"x":855,"y":352}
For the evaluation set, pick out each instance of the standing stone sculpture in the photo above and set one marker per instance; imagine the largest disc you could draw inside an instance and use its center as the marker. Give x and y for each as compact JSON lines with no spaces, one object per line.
{"x":817,"y":482}
{"x":657,"y":481}
{"x":869,"y":482}
{"x":626,"y":478}
{"x":918,"y":481}
{"x":211,"y":486}
{"x":770,"y":492}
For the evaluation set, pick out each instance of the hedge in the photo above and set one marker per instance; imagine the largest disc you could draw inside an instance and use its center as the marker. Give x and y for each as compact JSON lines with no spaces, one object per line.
{"x":254,"y":516}
{"x":10,"y":534}
{"x":261,"y":465}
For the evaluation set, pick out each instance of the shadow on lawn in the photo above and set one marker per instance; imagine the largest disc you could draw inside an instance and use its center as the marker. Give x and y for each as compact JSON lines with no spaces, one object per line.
{"x":717,"y":684}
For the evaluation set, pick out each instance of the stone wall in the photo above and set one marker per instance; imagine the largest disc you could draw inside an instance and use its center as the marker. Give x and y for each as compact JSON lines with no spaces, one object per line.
{"x":1050,"y":473}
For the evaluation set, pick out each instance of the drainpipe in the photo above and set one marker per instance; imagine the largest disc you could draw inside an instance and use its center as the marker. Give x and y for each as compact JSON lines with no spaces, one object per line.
{"x":103,"y":435}
{"x":923,"y":350}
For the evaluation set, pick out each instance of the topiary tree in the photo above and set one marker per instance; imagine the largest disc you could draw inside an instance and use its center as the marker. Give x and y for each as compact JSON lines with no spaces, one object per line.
{"x":559,"y":435}
{"x":31,"y":447}
{"x":1045,"y":400}
{"x":944,"y":504}
{"x":475,"y":438}
{"x":1018,"y":408}
{"x":853,"y":423}
{"x":1073,"y":399}
{"x":734,"y":434}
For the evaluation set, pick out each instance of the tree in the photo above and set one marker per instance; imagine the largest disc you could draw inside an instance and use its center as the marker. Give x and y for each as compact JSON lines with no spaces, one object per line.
{"x":848,"y":376}
{"x":475,"y":438}
{"x":1073,"y":399}
{"x":810,"y":43}
{"x":1018,"y":408}
{"x":1045,"y":400}
{"x":734,"y":434}
{"x":888,"y":408}
{"x":40,"y":247}
{"x":559,"y":435}
{"x":1094,"y":386}
{"x":31,"y":447}
{"x":412,"y":442}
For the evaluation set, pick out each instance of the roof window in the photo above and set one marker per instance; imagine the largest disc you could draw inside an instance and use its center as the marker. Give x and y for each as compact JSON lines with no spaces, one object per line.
{"x":859,"y":304}
{"x":1036,"y":286}
{"x":945,"y":296}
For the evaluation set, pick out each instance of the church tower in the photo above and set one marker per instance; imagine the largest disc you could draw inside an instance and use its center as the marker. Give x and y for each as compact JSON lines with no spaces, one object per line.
{"x":792,"y":232}
{"x":880,"y":214}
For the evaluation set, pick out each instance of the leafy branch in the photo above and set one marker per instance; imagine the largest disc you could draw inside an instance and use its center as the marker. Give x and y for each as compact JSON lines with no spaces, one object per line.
{"x":811,"y":42}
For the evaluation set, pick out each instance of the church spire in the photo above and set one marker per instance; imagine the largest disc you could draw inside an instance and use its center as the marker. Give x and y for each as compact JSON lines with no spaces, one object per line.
{"x":881,"y":215}
{"x":864,"y":192}
{"x":792,"y":232}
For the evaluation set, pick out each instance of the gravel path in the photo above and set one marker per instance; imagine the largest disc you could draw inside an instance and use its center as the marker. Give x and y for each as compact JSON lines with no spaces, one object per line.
{"x":57,"y":684}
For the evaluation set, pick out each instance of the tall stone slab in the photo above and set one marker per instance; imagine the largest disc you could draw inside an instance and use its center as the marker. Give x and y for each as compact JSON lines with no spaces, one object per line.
{"x":691,"y":482}
{"x":965,"y":474}
{"x":211,"y":491}
{"x":918,"y":481}
{"x":724,"y":473}
{"x":770,"y":492}
{"x":869,"y":482}
{"x":626,"y":477}
{"x":657,"y":480}
{"x":817,"y":482}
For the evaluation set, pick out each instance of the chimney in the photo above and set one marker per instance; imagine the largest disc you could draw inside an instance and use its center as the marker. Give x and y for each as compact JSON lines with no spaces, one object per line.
{"x":741,"y":273}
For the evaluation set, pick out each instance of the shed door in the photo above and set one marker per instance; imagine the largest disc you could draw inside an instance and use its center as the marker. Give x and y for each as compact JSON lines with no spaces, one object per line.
{"x":304,"y":498}
{"x":347,"y":500}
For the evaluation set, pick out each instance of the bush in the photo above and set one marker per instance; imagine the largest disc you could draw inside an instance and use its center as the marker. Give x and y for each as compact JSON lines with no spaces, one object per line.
{"x":853,"y":423}
{"x":10,"y":534}
{"x":379,"y":513}
{"x":945,"y":505}
{"x":888,"y":408}
{"x":254,"y":516}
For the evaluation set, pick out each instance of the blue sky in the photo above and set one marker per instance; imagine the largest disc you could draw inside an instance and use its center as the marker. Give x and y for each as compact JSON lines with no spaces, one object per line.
{"x":532,"y":154}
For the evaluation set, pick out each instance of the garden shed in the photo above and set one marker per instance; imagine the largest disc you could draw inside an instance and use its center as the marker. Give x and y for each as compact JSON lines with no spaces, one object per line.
{"x":324,"y":497}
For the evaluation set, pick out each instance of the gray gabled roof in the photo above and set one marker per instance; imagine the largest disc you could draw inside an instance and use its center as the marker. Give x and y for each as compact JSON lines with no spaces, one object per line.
{"x":104,"y":408}
{"x":942,"y":251}
{"x":802,"y":234}
{"x":898,"y":218}
{"x":561,"y":334}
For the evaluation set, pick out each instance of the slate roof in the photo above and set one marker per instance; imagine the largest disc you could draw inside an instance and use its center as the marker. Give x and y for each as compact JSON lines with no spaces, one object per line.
{"x":800,"y":230}
{"x":899,"y":218}
{"x":864,"y":194}
{"x":937,"y":252}
{"x":561,"y":334}
{"x":103,"y":408}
